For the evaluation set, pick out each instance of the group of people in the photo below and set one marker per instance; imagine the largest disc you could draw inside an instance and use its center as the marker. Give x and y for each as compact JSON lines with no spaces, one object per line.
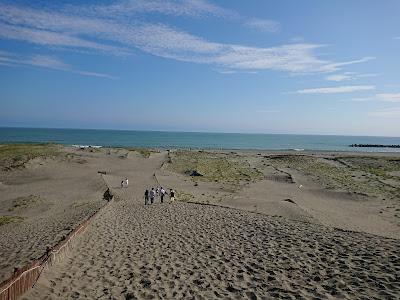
{"x":150,"y":195}
{"x":124,"y":183}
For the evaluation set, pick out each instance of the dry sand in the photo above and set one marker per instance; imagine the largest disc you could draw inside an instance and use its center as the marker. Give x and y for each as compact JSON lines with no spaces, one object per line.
{"x":186,"y":250}
{"x":52,"y":196}
{"x":359,"y":202}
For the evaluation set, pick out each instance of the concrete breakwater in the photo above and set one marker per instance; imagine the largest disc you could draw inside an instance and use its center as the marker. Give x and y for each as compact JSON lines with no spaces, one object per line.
{"x":374,"y":146}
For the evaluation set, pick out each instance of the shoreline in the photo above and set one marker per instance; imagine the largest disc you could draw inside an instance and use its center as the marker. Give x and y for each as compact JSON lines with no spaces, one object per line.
{"x":172,"y":148}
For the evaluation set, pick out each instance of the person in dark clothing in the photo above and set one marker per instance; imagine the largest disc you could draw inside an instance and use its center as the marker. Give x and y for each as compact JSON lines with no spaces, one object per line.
{"x":152,"y":195}
{"x":162,"y":194}
{"x":146,"y":197}
{"x":108,"y":195}
{"x":172,"y":195}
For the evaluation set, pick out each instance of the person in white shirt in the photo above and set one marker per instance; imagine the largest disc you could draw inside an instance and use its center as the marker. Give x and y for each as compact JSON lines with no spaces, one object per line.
{"x":126,"y":182}
{"x":162,"y":194}
{"x":152,"y":195}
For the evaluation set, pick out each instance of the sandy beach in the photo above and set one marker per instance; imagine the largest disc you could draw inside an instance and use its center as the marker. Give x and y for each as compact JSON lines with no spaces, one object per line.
{"x":267,"y":224}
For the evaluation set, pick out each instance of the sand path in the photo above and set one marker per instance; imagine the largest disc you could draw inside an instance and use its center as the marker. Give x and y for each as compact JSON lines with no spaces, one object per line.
{"x":132,"y":251}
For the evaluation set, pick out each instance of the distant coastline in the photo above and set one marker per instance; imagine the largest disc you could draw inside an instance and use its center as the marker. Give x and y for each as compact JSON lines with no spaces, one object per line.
{"x":196,"y":140}
{"x":373,"y":146}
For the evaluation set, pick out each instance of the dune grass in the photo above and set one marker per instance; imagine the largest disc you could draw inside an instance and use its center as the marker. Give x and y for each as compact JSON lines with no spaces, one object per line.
{"x":143,"y":151}
{"x":212,"y":166}
{"x":183,"y":196}
{"x":345,"y":175}
{"x":16,"y":155}
{"x":379,"y":166}
{"x":9,"y":219}
{"x":25,"y":202}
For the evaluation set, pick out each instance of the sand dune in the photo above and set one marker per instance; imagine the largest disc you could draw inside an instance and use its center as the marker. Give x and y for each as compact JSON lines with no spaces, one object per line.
{"x":193,"y":251}
{"x":185,"y":250}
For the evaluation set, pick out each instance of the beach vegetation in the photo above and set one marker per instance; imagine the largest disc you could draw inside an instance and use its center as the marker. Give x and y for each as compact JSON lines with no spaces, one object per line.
{"x":183,"y":196}
{"x":143,"y":151}
{"x":9,"y":219}
{"x":25,"y":202}
{"x":16,"y":155}
{"x":212,"y":166}
{"x":363,"y":175}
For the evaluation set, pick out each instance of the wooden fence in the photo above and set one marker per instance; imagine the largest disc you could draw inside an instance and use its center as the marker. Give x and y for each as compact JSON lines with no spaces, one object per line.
{"x":26,"y":277}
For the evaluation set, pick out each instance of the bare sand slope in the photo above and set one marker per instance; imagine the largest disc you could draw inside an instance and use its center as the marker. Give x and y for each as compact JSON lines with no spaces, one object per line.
{"x":184,"y":251}
{"x":50,"y":197}
{"x":316,"y":205}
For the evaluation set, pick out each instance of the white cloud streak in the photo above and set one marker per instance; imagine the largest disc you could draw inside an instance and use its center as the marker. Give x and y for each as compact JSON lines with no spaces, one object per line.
{"x":118,"y":35}
{"x":45,"y":61}
{"x":49,"y":38}
{"x":338,"y":77}
{"x":393,"y":112}
{"x":362,"y":99}
{"x":337,"y":89}
{"x":263,"y":25}
{"x":388,"y":97}
{"x":191,"y":8}
{"x":383,"y":97}
{"x":348,"y":76}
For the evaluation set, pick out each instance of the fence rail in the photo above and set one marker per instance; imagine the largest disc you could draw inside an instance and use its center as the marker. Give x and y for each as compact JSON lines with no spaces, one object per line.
{"x":25,"y":278}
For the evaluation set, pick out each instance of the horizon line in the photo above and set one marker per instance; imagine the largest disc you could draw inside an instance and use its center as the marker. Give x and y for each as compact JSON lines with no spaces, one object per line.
{"x":201,"y":132}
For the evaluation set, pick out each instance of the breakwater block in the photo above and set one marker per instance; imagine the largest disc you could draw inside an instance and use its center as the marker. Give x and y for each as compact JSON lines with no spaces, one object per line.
{"x":374,"y":146}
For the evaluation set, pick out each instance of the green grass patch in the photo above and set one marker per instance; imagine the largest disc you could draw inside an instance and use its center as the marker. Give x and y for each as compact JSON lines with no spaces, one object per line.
{"x":212,"y":166}
{"x":343,"y":176}
{"x":16,"y":155}
{"x":379,"y":166}
{"x":25,"y":202}
{"x":143,"y":151}
{"x":183,"y":196}
{"x":9,"y":219}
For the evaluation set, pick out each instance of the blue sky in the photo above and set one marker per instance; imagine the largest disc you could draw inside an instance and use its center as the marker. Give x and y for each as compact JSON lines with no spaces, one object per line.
{"x":312,"y":67}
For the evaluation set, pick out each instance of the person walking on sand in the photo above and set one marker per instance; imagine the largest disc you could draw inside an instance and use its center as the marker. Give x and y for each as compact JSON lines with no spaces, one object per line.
{"x":152,"y":195}
{"x":162,"y":194}
{"x":126,"y":182}
{"x":172,"y":195}
{"x":146,"y":197}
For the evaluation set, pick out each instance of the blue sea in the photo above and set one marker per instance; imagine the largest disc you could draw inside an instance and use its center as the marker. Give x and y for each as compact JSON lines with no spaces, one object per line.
{"x":195,"y":140}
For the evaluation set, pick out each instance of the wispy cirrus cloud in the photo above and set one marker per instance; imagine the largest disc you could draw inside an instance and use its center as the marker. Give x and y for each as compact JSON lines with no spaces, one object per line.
{"x":50,"y":38}
{"x":383,"y":97}
{"x":337,"y":89}
{"x":361,"y":99}
{"x":119,"y":35}
{"x":263,"y":25}
{"x":191,"y":8}
{"x":346,"y":76}
{"x":388,"y":97}
{"x":47,"y":62}
{"x":393,"y":112}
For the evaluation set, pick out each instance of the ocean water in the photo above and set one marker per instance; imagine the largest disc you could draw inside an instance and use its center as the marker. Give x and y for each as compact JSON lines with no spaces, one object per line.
{"x":196,"y":140}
